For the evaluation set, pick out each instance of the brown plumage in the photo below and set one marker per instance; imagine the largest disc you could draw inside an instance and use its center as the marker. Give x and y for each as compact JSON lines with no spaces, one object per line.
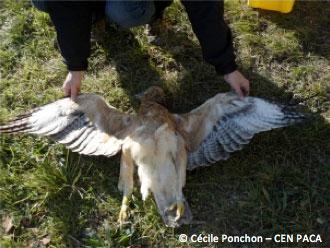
{"x":162,"y":145}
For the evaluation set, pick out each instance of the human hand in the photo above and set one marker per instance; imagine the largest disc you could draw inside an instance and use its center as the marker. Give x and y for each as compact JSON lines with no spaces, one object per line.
{"x":72,"y":84}
{"x":238,"y":83}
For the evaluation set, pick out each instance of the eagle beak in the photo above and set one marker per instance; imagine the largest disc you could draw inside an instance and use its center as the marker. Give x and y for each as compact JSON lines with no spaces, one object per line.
{"x":177,"y":214}
{"x":174,"y":214}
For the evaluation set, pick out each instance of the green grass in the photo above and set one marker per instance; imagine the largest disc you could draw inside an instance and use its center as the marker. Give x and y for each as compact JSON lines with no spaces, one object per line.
{"x":280,"y":183}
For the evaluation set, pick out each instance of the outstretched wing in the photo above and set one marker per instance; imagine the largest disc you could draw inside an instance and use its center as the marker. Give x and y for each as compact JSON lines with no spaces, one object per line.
{"x":225,"y":123}
{"x":88,"y":126}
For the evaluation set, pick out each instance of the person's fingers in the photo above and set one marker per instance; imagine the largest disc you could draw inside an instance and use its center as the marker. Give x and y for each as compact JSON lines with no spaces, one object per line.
{"x":246,"y":90}
{"x":239,"y":92}
{"x":245,"y":87}
{"x":67,"y":90}
{"x":74,"y":92}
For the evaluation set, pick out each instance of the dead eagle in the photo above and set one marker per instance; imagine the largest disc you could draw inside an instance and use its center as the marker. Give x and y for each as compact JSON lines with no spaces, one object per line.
{"x":162,"y":145}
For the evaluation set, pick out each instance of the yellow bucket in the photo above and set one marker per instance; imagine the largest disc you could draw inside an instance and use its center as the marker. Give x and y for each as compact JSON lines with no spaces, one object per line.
{"x":284,"y":6}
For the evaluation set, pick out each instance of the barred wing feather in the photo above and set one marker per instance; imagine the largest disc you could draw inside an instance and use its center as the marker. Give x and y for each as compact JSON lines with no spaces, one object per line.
{"x":227,"y":123}
{"x":90,"y":126}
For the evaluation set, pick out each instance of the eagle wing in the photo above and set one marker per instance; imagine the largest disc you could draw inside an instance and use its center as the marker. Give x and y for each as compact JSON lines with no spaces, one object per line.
{"x":88,"y":126}
{"x":225,"y":123}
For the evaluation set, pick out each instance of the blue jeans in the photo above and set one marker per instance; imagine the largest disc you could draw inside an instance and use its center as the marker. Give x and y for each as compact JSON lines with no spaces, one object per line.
{"x":130,"y":13}
{"x":125,"y":13}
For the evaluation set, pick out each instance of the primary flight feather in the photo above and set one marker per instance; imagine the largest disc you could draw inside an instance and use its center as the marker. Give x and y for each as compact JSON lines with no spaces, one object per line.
{"x":162,"y":145}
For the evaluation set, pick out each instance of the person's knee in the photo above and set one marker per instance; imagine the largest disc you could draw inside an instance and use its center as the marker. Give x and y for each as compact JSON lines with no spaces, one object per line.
{"x":130,"y":13}
{"x":40,"y":5}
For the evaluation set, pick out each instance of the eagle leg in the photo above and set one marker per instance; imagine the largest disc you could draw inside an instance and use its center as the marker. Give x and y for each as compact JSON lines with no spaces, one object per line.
{"x":125,"y":184}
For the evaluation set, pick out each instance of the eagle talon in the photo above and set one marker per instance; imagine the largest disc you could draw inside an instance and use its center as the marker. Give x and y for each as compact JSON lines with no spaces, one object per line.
{"x":123,"y":214}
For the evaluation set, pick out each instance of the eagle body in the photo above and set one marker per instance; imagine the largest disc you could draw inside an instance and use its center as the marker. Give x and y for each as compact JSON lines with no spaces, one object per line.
{"x":161,"y":145}
{"x":159,"y":152}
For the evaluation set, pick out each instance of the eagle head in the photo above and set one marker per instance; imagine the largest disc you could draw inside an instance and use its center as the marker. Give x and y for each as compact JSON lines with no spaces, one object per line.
{"x":152,"y":94}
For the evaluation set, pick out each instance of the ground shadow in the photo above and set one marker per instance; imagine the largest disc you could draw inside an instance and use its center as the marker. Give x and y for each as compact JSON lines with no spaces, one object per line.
{"x":132,"y":62}
{"x":310,"y":20}
{"x":76,"y":213}
{"x":83,"y":218}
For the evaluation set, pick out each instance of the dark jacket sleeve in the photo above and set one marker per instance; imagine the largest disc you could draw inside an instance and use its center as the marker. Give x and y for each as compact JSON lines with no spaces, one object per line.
{"x":73,"y":21}
{"x":214,"y":35}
